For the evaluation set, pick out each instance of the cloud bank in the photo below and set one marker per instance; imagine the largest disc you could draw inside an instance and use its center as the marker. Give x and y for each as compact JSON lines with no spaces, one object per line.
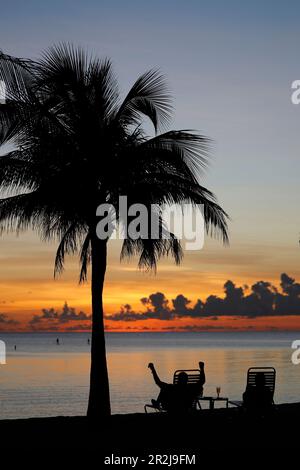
{"x":55,"y":318}
{"x":262,"y":299}
{"x":5,"y":320}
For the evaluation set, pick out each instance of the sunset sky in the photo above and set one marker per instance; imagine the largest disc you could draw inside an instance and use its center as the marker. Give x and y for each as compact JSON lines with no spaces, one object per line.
{"x":230,"y":67}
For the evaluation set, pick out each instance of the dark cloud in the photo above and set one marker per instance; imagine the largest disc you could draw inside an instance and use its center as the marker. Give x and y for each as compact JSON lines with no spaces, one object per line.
{"x":261,"y":299}
{"x":157,"y":307}
{"x":126,"y":314}
{"x":5,"y":320}
{"x":58,"y":318}
{"x":181,"y":305}
{"x":289,"y":286}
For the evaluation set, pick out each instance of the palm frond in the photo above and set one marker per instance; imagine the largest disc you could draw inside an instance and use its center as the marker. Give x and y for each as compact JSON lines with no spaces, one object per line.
{"x":17,"y":171}
{"x":67,"y":245}
{"x":102,"y":89}
{"x":64,"y":61}
{"x":16,"y":73}
{"x":215,"y":219}
{"x":192,"y":148}
{"x":85,"y":258}
{"x":20,"y":212}
{"x":149,"y":97}
{"x":150,"y":251}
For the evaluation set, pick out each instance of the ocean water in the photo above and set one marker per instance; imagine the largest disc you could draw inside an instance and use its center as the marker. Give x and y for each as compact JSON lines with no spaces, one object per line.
{"x":42,"y":378}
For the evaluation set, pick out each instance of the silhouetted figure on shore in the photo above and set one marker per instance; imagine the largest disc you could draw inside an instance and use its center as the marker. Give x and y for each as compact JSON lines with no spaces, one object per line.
{"x":178,"y":397}
{"x":258,"y":397}
{"x":57,"y":340}
{"x":15,"y":347}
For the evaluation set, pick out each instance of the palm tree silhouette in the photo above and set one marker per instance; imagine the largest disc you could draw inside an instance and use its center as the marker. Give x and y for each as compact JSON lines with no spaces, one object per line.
{"x":74,"y":145}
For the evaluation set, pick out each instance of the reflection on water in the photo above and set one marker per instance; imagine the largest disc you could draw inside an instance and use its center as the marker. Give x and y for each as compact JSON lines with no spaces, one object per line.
{"x":43,"y":379}
{"x":225,"y":368}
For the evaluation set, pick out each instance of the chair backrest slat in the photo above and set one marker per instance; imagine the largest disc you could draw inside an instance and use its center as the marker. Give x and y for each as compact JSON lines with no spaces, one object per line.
{"x":193,"y":375}
{"x":269,"y":374}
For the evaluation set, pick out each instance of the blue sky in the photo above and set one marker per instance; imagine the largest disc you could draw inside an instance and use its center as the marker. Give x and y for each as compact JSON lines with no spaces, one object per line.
{"x":230,"y":66}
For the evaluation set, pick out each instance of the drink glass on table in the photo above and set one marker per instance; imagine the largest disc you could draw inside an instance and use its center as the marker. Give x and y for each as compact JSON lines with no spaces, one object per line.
{"x":218,"y":389}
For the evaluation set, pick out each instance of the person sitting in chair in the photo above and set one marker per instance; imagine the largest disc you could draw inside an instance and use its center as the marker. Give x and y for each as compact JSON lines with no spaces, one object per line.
{"x":180,"y":396}
{"x":258,"y":396}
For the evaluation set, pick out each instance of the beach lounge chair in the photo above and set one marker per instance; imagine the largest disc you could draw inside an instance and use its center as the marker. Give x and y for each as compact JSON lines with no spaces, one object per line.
{"x":193,"y":378}
{"x":269,"y":377}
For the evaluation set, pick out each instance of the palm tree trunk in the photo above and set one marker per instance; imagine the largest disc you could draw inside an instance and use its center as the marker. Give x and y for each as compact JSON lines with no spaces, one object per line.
{"x":99,"y":401}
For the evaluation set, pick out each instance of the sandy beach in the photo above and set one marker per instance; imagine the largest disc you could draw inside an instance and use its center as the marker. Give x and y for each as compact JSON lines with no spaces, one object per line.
{"x":219,"y":431}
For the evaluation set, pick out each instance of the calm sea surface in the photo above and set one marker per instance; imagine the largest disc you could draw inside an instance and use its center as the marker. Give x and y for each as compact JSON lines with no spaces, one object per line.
{"x":42,"y":378}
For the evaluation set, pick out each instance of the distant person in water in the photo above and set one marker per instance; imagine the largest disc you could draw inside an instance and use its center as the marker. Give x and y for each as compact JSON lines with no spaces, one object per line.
{"x":15,"y":347}
{"x":178,"y":397}
{"x":258,"y":396}
{"x":88,"y":340}
{"x":57,"y":341}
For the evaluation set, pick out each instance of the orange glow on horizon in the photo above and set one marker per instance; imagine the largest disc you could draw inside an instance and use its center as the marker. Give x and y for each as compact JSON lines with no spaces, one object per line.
{"x":186,"y":324}
{"x":27,"y":285}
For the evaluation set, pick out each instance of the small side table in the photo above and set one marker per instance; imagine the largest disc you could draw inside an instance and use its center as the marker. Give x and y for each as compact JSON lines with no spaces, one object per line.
{"x":212,"y":401}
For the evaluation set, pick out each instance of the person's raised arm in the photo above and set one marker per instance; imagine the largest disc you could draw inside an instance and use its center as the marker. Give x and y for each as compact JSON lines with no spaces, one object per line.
{"x":202,"y":373}
{"x":157,"y":380}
